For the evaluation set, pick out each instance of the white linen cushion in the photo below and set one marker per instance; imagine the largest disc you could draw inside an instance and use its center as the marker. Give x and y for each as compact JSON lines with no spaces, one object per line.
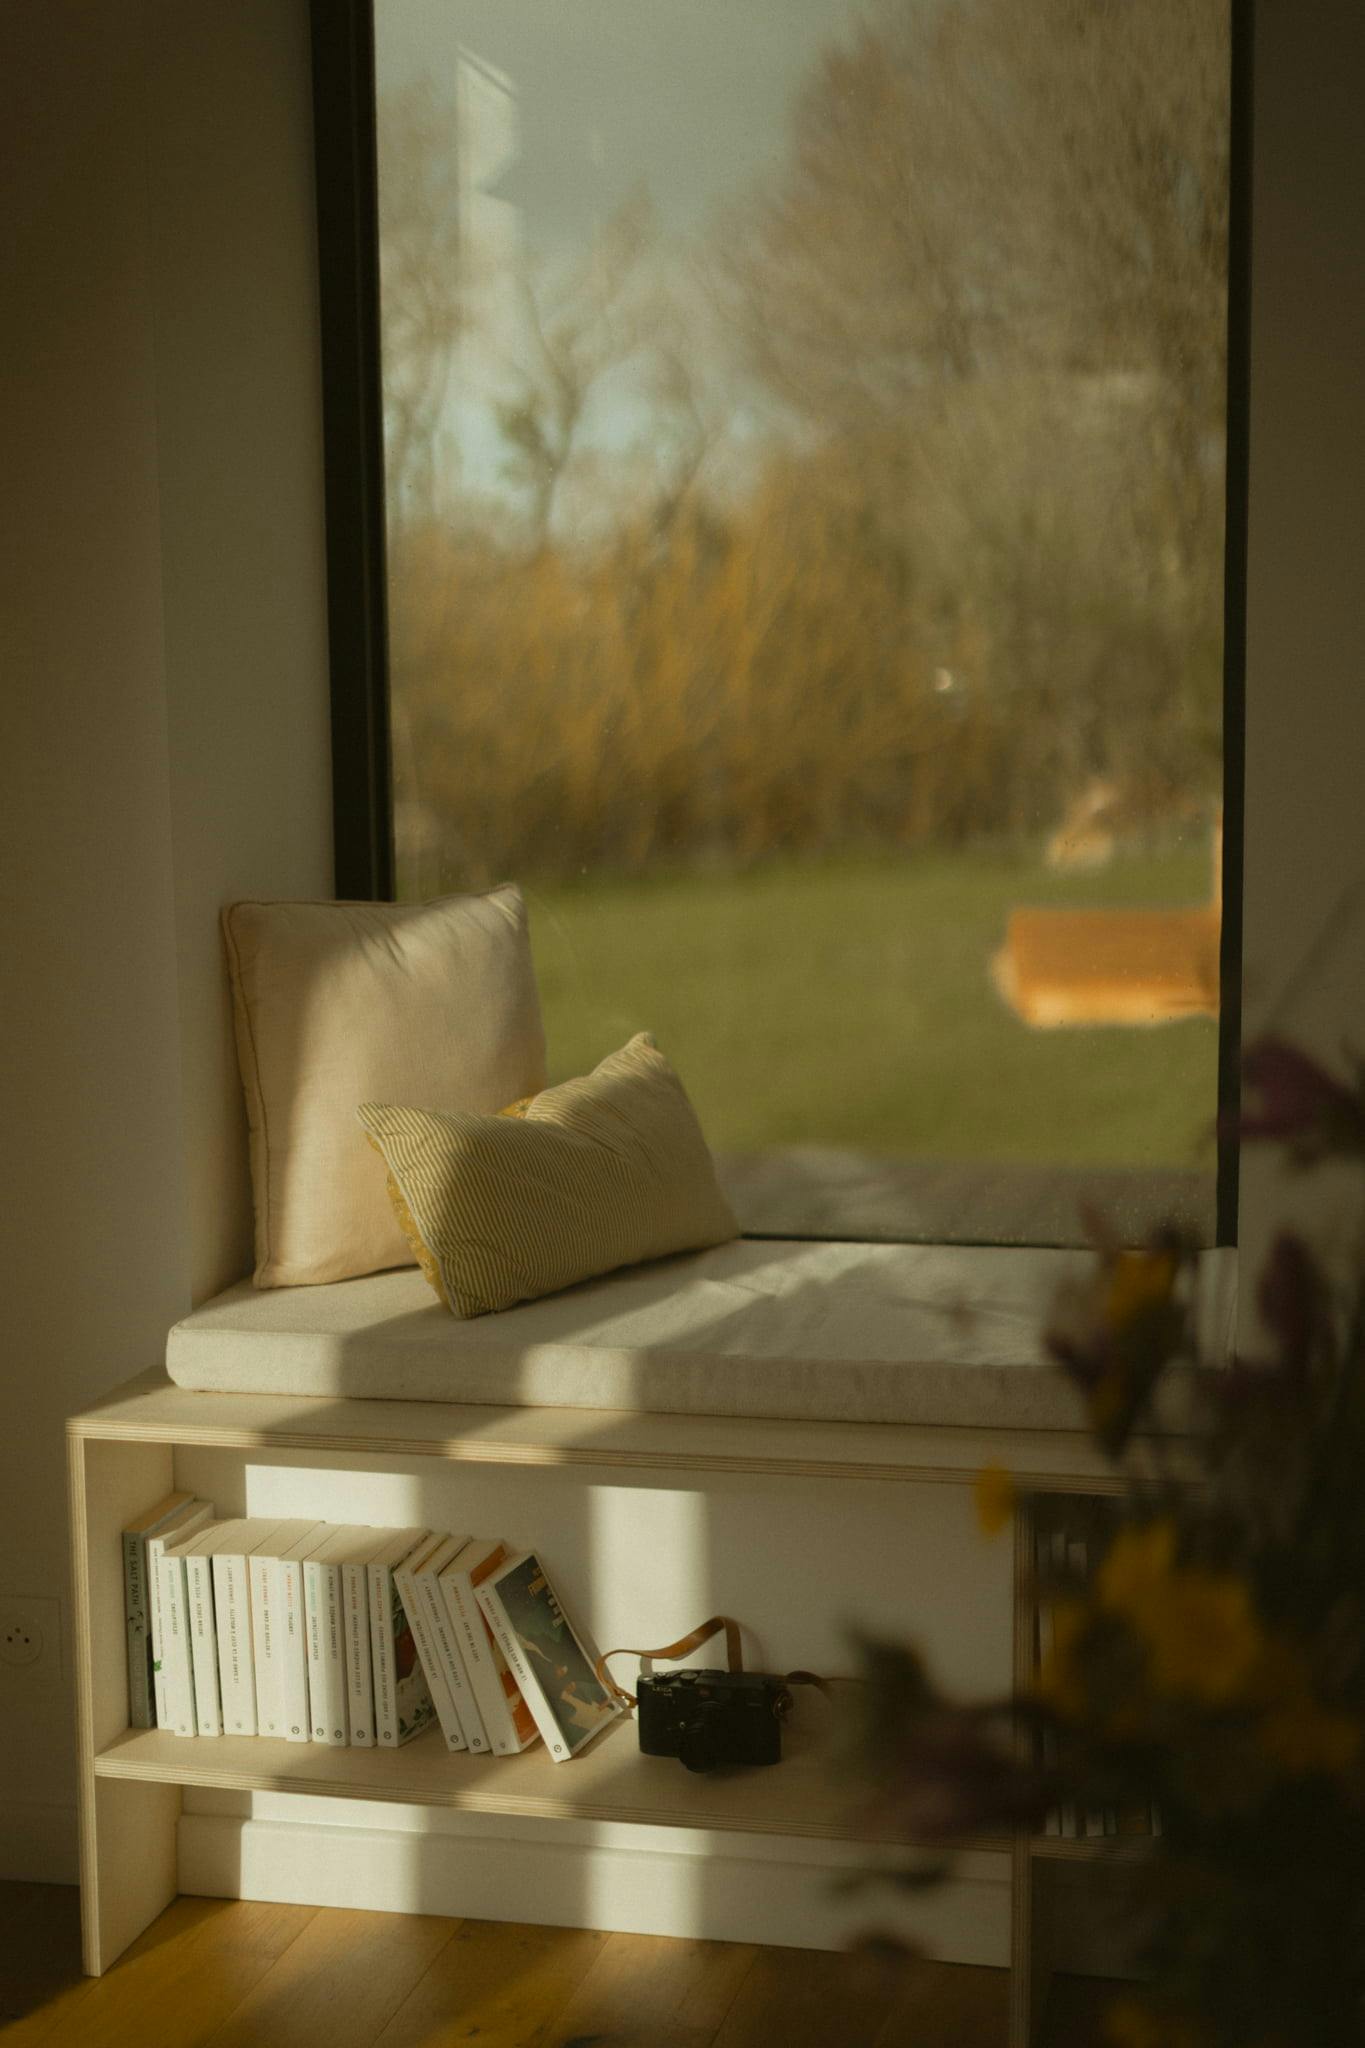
{"x":817,"y":1332}
{"x":340,"y":1003}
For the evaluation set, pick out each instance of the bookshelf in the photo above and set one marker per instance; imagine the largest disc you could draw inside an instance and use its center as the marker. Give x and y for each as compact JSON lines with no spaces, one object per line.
{"x":147,"y":1436}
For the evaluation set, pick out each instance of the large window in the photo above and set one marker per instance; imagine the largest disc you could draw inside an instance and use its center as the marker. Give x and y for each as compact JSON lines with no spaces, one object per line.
{"x":805,"y":440}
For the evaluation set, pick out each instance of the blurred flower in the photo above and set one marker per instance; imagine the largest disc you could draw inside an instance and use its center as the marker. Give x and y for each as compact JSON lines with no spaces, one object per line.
{"x":1208,"y":1682}
{"x":1139,"y":1282}
{"x":994,"y":1495}
{"x":1304,"y":1738}
{"x":1291,"y":1298}
{"x":1132,"y":2024}
{"x":1061,"y":1681}
{"x":1299,"y":1103}
{"x":1199,"y":1628}
{"x":1114,"y":1333}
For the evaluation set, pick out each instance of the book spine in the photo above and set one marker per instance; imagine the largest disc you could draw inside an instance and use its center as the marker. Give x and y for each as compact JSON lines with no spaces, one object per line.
{"x":152,"y":1555}
{"x":236,"y":1673}
{"x":359,"y":1668}
{"x":175,"y":1648}
{"x":531,"y":1689}
{"x":292,"y":1637}
{"x":269,"y":1705}
{"x":380,"y":1582}
{"x":140,"y":1696}
{"x":208,"y":1705}
{"x":441,"y":1697}
{"x":451,"y":1660}
{"x":485,"y":1675}
{"x":326,"y":1672}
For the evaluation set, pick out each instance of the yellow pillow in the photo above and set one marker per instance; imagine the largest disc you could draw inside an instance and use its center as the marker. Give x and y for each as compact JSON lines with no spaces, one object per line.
{"x":596,"y":1173}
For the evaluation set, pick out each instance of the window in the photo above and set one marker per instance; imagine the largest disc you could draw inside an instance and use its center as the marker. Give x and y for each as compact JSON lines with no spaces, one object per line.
{"x":806,"y":440}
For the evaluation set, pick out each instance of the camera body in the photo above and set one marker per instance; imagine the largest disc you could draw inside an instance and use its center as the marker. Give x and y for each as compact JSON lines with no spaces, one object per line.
{"x":711,"y":1720}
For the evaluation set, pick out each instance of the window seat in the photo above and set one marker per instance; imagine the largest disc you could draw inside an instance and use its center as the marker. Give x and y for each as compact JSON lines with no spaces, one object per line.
{"x":761,"y":1328}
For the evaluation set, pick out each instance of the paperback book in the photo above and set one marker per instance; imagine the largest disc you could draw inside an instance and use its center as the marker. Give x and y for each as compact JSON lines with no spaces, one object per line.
{"x":183,"y":1524}
{"x":137,"y":1605}
{"x":507,"y":1720}
{"x":355,"y":1597}
{"x":553,"y":1663}
{"x":410,"y":1579}
{"x":323,"y":1611}
{"x":402,"y":1700}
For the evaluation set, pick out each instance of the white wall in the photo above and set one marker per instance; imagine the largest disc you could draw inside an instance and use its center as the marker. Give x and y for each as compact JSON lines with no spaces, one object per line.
{"x":1305,"y":785}
{"x":164,"y":734}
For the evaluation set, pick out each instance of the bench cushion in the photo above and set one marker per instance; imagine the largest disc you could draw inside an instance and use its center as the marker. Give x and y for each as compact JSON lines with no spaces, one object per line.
{"x":815,"y":1332}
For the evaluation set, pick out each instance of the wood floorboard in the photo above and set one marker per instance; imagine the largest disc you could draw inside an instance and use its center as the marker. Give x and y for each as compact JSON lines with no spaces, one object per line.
{"x":218,"y":1973}
{"x":500,"y":1986}
{"x":340,"y":1983}
{"x":646,"y":1989}
{"x":805,"y":1998}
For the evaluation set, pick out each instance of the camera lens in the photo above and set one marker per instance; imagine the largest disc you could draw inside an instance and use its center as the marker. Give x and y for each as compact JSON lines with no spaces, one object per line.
{"x":698,"y":1737}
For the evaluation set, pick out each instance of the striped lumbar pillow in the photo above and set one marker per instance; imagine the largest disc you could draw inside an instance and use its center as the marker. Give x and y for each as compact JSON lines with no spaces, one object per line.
{"x":596,"y":1173}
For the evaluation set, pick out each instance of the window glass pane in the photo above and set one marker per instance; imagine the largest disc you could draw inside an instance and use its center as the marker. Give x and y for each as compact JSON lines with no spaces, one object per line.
{"x":805,"y":428}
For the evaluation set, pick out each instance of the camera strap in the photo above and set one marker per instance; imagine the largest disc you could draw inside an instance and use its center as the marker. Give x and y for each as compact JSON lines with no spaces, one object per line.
{"x":684,"y":1647}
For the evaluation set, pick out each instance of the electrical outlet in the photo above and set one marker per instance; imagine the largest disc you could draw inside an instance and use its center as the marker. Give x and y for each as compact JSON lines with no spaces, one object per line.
{"x":30,"y":1641}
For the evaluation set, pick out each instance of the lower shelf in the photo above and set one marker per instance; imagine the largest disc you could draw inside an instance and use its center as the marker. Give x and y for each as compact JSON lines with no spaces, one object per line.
{"x":804,"y":1795}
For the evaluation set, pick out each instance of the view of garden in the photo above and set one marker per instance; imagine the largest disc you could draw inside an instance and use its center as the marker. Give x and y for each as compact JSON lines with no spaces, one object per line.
{"x":805,"y":427}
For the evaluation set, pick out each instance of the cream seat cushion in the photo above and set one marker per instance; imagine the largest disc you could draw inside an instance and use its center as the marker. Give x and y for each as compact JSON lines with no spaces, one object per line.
{"x":869,"y":1333}
{"x":599,"y":1172}
{"x":340,"y":1003}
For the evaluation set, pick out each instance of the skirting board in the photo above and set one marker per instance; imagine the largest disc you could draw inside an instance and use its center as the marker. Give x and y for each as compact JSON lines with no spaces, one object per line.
{"x":38,"y":1843}
{"x":628,"y":1891}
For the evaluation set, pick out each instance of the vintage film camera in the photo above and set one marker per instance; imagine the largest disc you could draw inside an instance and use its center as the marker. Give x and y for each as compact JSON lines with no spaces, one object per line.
{"x":711,"y":1720}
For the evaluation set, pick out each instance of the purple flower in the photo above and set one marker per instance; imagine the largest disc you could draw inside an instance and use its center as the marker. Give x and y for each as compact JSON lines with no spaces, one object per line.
{"x":1299,"y":1103}
{"x":1289,"y":1295}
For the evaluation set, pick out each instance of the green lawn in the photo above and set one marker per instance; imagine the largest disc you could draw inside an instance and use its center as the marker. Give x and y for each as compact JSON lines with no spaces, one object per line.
{"x":851,"y":1005}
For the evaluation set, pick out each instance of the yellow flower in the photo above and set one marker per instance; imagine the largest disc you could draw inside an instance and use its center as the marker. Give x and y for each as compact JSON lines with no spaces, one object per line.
{"x":1303,"y":1738}
{"x":1131,"y":2024}
{"x":1199,"y":1627}
{"x":1060,"y":1681}
{"x":994,"y":1494}
{"x":1297,"y":1733}
{"x":1137,"y":1566}
{"x":1204,"y":1639}
{"x":1138,"y":1282}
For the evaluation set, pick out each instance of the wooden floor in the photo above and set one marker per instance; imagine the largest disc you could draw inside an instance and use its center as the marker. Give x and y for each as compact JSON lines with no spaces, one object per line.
{"x":214,"y":1973}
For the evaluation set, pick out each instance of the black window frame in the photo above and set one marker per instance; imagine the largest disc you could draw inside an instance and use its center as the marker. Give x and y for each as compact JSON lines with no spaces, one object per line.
{"x":345,"y":163}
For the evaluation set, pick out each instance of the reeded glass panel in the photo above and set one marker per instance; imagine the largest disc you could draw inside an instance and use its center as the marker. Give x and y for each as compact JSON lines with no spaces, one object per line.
{"x":805,"y":427}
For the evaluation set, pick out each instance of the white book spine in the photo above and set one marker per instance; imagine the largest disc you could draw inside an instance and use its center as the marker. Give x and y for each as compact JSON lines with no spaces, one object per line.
{"x":485,"y":1678}
{"x":437,"y":1683}
{"x":208,"y":1706}
{"x":359,"y":1668}
{"x":451,"y":1660}
{"x":236,"y":1673}
{"x":326,"y":1661}
{"x":178,"y":1682}
{"x":380,"y":1583}
{"x":292,"y":1635}
{"x":135,"y":1607}
{"x":519,"y":1665}
{"x":156,"y":1550}
{"x":269,"y":1703}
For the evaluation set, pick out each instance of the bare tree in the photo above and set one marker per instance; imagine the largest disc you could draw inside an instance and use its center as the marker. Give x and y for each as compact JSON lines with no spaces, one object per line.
{"x":580,"y":324}
{"x":423,"y":289}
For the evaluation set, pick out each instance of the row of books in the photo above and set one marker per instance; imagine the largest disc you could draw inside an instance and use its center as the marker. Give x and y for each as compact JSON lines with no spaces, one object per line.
{"x":348,"y":1635}
{"x":1062,"y":1558}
